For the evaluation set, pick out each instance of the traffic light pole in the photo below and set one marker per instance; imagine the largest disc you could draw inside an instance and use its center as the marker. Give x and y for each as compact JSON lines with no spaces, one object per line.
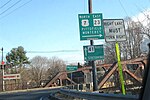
{"x":3,"y":71}
{"x":94,"y":70}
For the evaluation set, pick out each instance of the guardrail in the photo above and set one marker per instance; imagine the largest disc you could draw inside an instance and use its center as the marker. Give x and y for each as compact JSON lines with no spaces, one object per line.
{"x":97,"y":96}
{"x":81,"y":87}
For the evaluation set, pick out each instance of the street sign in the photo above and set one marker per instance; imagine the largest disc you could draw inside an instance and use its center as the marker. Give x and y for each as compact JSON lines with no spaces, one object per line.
{"x":114,"y":30}
{"x":93,"y":52}
{"x":71,"y":68}
{"x":90,"y":26}
{"x":11,"y":76}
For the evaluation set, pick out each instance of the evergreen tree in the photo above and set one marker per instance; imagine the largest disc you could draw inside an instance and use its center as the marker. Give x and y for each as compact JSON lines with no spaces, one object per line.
{"x":17,"y":57}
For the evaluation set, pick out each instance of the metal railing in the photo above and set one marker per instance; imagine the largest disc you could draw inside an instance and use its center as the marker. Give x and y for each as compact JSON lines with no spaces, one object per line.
{"x":97,"y":96}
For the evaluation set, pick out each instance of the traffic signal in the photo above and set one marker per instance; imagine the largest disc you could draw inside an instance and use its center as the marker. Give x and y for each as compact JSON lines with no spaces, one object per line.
{"x":2,"y":66}
{"x":2,"y":62}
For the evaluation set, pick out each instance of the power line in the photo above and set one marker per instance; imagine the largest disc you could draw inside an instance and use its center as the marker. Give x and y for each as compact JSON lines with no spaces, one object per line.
{"x":16,"y":9}
{"x":57,"y":51}
{"x":5,"y":4}
{"x":10,"y":7}
{"x":53,"y":51}
{"x":123,"y":7}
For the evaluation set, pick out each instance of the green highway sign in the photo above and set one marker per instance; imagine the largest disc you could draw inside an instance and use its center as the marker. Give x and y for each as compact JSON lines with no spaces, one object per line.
{"x":90,"y":26}
{"x":71,"y":68}
{"x":93,"y":52}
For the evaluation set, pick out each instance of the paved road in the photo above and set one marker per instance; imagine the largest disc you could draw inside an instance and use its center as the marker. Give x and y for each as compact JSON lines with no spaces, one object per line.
{"x":28,"y":95}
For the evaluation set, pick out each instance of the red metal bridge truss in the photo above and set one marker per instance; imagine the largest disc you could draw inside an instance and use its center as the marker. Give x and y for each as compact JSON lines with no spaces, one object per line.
{"x":133,"y":76}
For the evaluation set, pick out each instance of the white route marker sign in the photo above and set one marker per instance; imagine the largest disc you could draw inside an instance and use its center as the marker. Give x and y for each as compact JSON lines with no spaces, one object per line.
{"x":114,"y":30}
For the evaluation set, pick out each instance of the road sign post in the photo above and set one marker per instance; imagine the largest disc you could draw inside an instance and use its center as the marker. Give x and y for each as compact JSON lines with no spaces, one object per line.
{"x":115,"y":32}
{"x":120,"y":69}
{"x":92,"y":53}
{"x":2,"y":62}
{"x":71,"y":68}
{"x":91,"y":28}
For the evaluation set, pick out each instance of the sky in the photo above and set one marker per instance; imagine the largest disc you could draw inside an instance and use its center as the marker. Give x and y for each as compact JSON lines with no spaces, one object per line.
{"x":50,"y":28}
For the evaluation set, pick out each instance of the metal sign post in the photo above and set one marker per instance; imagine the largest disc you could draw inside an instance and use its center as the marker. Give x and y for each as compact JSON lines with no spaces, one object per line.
{"x":94,"y":71}
{"x":120,"y":69}
{"x":3,"y":78}
{"x":91,"y":28}
{"x":92,"y":53}
{"x":71,"y":68}
{"x":115,"y":32}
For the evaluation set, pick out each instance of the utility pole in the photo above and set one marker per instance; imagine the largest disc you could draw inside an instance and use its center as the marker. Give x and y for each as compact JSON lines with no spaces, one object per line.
{"x":2,"y":63}
{"x":94,"y":70}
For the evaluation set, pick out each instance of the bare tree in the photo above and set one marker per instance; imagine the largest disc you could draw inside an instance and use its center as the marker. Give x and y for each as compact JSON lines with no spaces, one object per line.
{"x":134,"y":39}
{"x":55,"y":65}
{"x":38,"y":69}
{"x":42,"y":68}
{"x":110,"y":54}
{"x":146,"y":27}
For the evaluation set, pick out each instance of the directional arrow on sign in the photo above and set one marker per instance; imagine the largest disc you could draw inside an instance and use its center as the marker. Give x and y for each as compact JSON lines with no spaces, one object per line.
{"x":85,"y":50}
{"x":100,"y":35}
{"x":94,"y":52}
